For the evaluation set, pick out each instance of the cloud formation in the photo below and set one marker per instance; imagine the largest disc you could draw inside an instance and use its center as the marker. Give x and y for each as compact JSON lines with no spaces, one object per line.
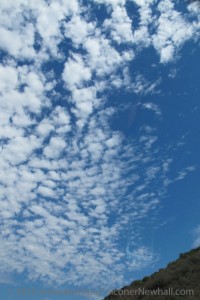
{"x":70,"y":185}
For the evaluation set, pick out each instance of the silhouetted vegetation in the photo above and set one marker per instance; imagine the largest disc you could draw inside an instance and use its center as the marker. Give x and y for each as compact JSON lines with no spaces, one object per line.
{"x":182,"y":274}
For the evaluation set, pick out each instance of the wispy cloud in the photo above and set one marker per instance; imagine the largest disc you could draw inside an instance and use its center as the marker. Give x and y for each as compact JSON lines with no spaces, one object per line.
{"x":196,"y":237}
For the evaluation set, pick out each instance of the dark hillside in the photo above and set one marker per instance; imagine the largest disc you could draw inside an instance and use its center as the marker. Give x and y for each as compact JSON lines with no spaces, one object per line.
{"x":179,"y":280}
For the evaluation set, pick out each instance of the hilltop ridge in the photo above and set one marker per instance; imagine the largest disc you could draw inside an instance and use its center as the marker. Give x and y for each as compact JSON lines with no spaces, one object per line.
{"x":179,"y":280}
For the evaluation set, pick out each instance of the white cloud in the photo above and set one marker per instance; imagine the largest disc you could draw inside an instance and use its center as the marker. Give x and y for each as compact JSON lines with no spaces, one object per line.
{"x":35,"y":83}
{"x":172,"y":31}
{"x":167,"y":53}
{"x":46,"y":191}
{"x":197,"y":237}
{"x":193,"y":7}
{"x":54,"y":148}
{"x":142,"y":86}
{"x":120,"y":25}
{"x":152,"y":106}
{"x":8,"y":78}
{"x":85,"y":99}
{"x":76,"y":73}
{"x":141,"y":257}
{"x":44,"y":128}
{"x":18,"y":43}
{"x":78,"y":30}
{"x":102,"y":57}
{"x":19,"y":149}
{"x":113,"y":3}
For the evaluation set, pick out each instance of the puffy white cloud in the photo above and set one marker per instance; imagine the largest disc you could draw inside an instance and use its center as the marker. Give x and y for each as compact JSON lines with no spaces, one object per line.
{"x":54,"y":148}
{"x":35,"y":83}
{"x":102,"y":57}
{"x":167,"y":53}
{"x":44,"y":128}
{"x":120,"y":25}
{"x":18,"y":43}
{"x":76,"y":73}
{"x":85,"y":99}
{"x":113,"y":3}
{"x":19,"y":149}
{"x":145,"y":11}
{"x":19,"y":39}
{"x":193,"y":7}
{"x":8,"y":78}
{"x":78,"y":29}
{"x":46,"y":192}
{"x":172,"y":31}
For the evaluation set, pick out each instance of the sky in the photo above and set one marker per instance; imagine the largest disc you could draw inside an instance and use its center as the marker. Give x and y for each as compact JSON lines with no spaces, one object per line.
{"x":99,"y":143}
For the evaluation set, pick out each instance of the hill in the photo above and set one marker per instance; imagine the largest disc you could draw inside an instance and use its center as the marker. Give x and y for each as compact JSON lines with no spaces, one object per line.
{"x":179,"y":280}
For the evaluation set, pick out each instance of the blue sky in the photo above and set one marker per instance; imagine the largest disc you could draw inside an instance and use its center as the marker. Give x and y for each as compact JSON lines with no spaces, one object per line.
{"x":99,"y":142}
